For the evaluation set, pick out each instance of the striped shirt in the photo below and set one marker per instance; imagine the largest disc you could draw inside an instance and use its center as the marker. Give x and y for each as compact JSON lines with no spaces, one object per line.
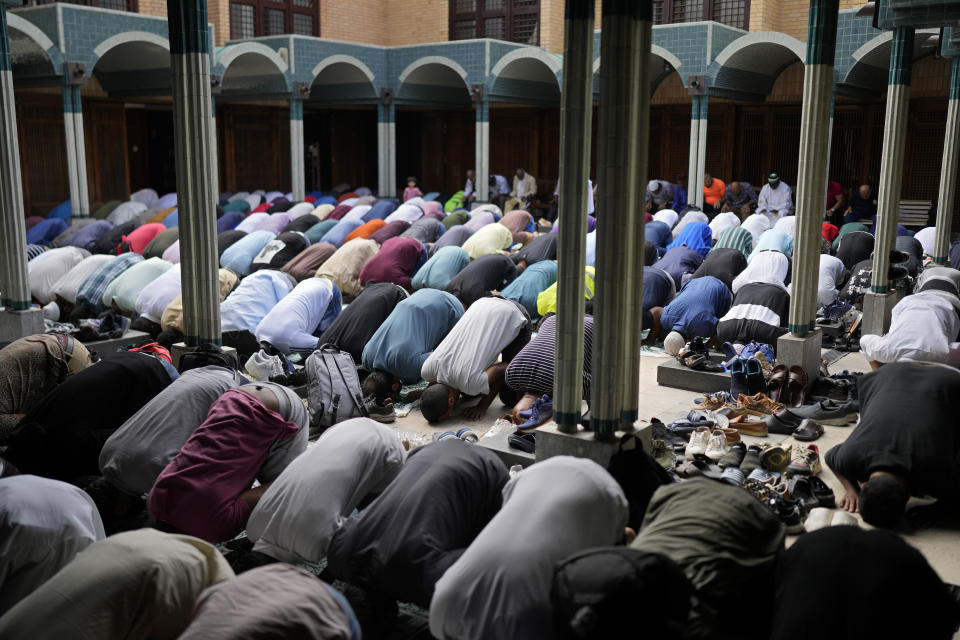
{"x":92,"y":290}
{"x":735,"y":238}
{"x":531,"y":370}
{"x":759,"y":312}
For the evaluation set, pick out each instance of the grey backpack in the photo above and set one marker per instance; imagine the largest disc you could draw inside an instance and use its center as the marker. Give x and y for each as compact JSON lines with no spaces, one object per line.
{"x":333,"y":388}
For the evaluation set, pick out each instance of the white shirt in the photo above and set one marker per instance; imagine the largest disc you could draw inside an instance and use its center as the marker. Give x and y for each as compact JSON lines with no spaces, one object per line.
{"x":298,"y":515}
{"x":154,"y":299}
{"x":926,"y":237}
{"x":406,"y":212}
{"x":922,"y":328}
{"x":831,"y":271}
{"x":68,"y":284}
{"x":591,"y":195}
{"x":300,"y":209}
{"x":756,"y":224}
{"x":722,"y":222}
{"x":356,"y":213}
{"x":468,"y":188}
{"x":501,"y":186}
{"x":256,"y":295}
{"x":779,"y":200}
{"x":126,"y":212}
{"x":292,"y":322}
{"x":252,"y":221}
{"x":47,"y":268}
{"x":474,"y":343}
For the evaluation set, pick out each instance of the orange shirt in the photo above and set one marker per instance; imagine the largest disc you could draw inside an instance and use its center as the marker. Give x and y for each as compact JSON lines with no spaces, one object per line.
{"x":714,"y":193}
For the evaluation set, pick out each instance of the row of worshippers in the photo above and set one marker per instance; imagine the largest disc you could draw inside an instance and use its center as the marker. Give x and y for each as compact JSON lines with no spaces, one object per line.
{"x":447,"y":528}
{"x":775,"y":199}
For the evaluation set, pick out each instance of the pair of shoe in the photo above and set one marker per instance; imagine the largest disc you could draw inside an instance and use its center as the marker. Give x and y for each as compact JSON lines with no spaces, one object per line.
{"x":804,"y":462}
{"x":712,"y":401}
{"x":466,"y":434}
{"x":746,"y":377}
{"x":379,"y":411}
{"x":526,"y":441}
{"x":788,"y":386}
{"x":712,"y":444}
{"x":812,"y":492}
{"x":537,"y":415}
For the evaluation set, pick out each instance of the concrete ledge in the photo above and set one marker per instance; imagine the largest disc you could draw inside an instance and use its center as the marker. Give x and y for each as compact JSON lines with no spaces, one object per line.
{"x":552,"y":442}
{"x":673,"y":374}
{"x":509,"y":455}
{"x":877,"y":309}
{"x":804,"y":351}
{"x":104,"y":347}
{"x":17,"y":324}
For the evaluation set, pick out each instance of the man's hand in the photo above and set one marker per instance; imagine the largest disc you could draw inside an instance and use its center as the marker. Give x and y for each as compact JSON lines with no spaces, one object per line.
{"x":473,"y":413}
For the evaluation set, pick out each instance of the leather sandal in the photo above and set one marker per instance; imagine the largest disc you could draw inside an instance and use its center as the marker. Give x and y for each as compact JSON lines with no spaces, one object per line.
{"x":797,"y":386}
{"x":808,"y":431}
{"x":777,"y":382}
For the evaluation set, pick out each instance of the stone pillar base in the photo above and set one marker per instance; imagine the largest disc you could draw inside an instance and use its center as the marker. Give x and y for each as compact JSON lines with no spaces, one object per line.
{"x":180,"y":348}
{"x":877,"y":308}
{"x":582,"y":444}
{"x":803,"y":351}
{"x":17,"y":324}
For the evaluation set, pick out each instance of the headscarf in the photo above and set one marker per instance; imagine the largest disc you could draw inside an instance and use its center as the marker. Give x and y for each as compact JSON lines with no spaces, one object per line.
{"x":272,"y":602}
{"x":500,"y":586}
{"x":667,"y":216}
{"x":137,"y":584}
{"x":517,"y":221}
{"x":695,"y":235}
{"x":831,"y":275}
{"x":62,"y":435}
{"x":136,"y":453}
{"x":395,"y":262}
{"x":591,"y":225}
{"x":440,"y":268}
{"x":855,"y":247}
{"x":912,"y":247}
{"x":927,"y":238}
{"x":391,"y":230}
{"x":943,"y":281}
{"x":735,"y":238}
{"x":770,"y":267}
{"x":722,"y":222}
{"x":480,"y":219}
{"x":43,"y":525}
{"x":460,"y":216}
{"x":756,"y":224}
{"x":723,"y":264}
{"x":688,"y":218}
{"x":658,"y":233}
{"x":300,"y":512}
{"x":442,"y":498}
{"x":773,"y":240}
{"x":850,"y":227}
{"x":856,"y":582}
{"x":306,"y":263}
{"x":829,"y":232}
{"x":787,"y":224}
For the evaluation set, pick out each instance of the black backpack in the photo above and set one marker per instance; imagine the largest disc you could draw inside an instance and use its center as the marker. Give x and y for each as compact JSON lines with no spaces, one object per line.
{"x":638,"y":475}
{"x":206,"y":355}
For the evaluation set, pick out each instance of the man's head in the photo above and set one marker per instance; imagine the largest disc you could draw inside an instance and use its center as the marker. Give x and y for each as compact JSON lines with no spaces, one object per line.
{"x":774,"y":179}
{"x":470,"y":175}
{"x":707,"y":179}
{"x":380,"y":384}
{"x":682,"y":181}
{"x":653,"y":186}
{"x":437,"y":402}
{"x":865,"y":191}
{"x":735,"y":187}
{"x":521,"y":173}
{"x":883,"y":499}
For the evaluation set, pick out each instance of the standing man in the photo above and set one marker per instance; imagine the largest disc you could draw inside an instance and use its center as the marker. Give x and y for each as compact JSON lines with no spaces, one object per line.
{"x":776,"y":199}
{"x":524,"y":188}
{"x":470,"y":187}
{"x":713,"y":192}
{"x":740,"y":198}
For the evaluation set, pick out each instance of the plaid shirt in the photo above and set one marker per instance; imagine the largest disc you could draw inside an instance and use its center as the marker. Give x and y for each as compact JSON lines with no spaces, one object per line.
{"x":93,"y":288}
{"x":736,"y":238}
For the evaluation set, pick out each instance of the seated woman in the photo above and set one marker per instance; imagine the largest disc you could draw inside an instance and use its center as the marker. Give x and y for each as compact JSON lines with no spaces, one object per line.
{"x":441,"y":500}
{"x":30,"y":368}
{"x":43,"y":525}
{"x":693,"y":313}
{"x":251,"y":432}
{"x":835,"y":572}
{"x":61,"y":436}
{"x":300,"y":317}
{"x":500,"y":586}
{"x":924,"y":326}
{"x":139,"y":584}
{"x":310,"y":500}
{"x":277,"y":601}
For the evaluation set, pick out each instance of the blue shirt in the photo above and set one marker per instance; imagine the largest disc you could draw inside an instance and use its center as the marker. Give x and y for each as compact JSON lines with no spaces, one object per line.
{"x":338,"y":234}
{"x":241,"y":253}
{"x":657,"y":287}
{"x":679,"y":199}
{"x":88,"y":235}
{"x":697,"y":308}
{"x":411,"y":332}
{"x":316,"y":232}
{"x":250,"y":302}
{"x":440,"y":269}
{"x":44,"y":232}
{"x":535,"y":279}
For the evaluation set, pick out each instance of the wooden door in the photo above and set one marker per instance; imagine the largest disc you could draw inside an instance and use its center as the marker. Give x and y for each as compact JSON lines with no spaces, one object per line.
{"x":43,"y":152}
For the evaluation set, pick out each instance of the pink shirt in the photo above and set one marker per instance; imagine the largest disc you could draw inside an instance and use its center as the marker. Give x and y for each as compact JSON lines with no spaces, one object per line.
{"x":411,"y":192}
{"x":198,"y":492}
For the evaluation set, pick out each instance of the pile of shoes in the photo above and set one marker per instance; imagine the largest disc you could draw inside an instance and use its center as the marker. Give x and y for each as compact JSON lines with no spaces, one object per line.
{"x":695,"y":355}
{"x":805,"y":423}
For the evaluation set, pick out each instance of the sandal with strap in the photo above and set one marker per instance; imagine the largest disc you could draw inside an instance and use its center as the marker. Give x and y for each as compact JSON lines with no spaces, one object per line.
{"x":777,"y":382}
{"x":797,"y":386}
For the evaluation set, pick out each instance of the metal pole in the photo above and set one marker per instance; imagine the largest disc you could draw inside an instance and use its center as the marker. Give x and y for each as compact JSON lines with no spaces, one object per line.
{"x":72,"y":175}
{"x":692,"y":162}
{"x":386,"y":152}
{"x":80,"y":149}
{"x":948,"y":169}
{"x":296,"y":150}
{"x":635,"y":226}
{"x":14,"y":286}
{"x":701,"y":149}
{"x":891,"y":163}
{"x":617,"y":118}
{"x":813,"y":163}
{"x":481,"y":172}
{"x":196,"y":173}
{"x":576,"y":111}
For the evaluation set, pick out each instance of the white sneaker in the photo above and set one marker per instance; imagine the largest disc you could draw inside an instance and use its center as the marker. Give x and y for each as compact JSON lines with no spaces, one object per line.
{"x":698,"y":442}
{"x":717,"y":446}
